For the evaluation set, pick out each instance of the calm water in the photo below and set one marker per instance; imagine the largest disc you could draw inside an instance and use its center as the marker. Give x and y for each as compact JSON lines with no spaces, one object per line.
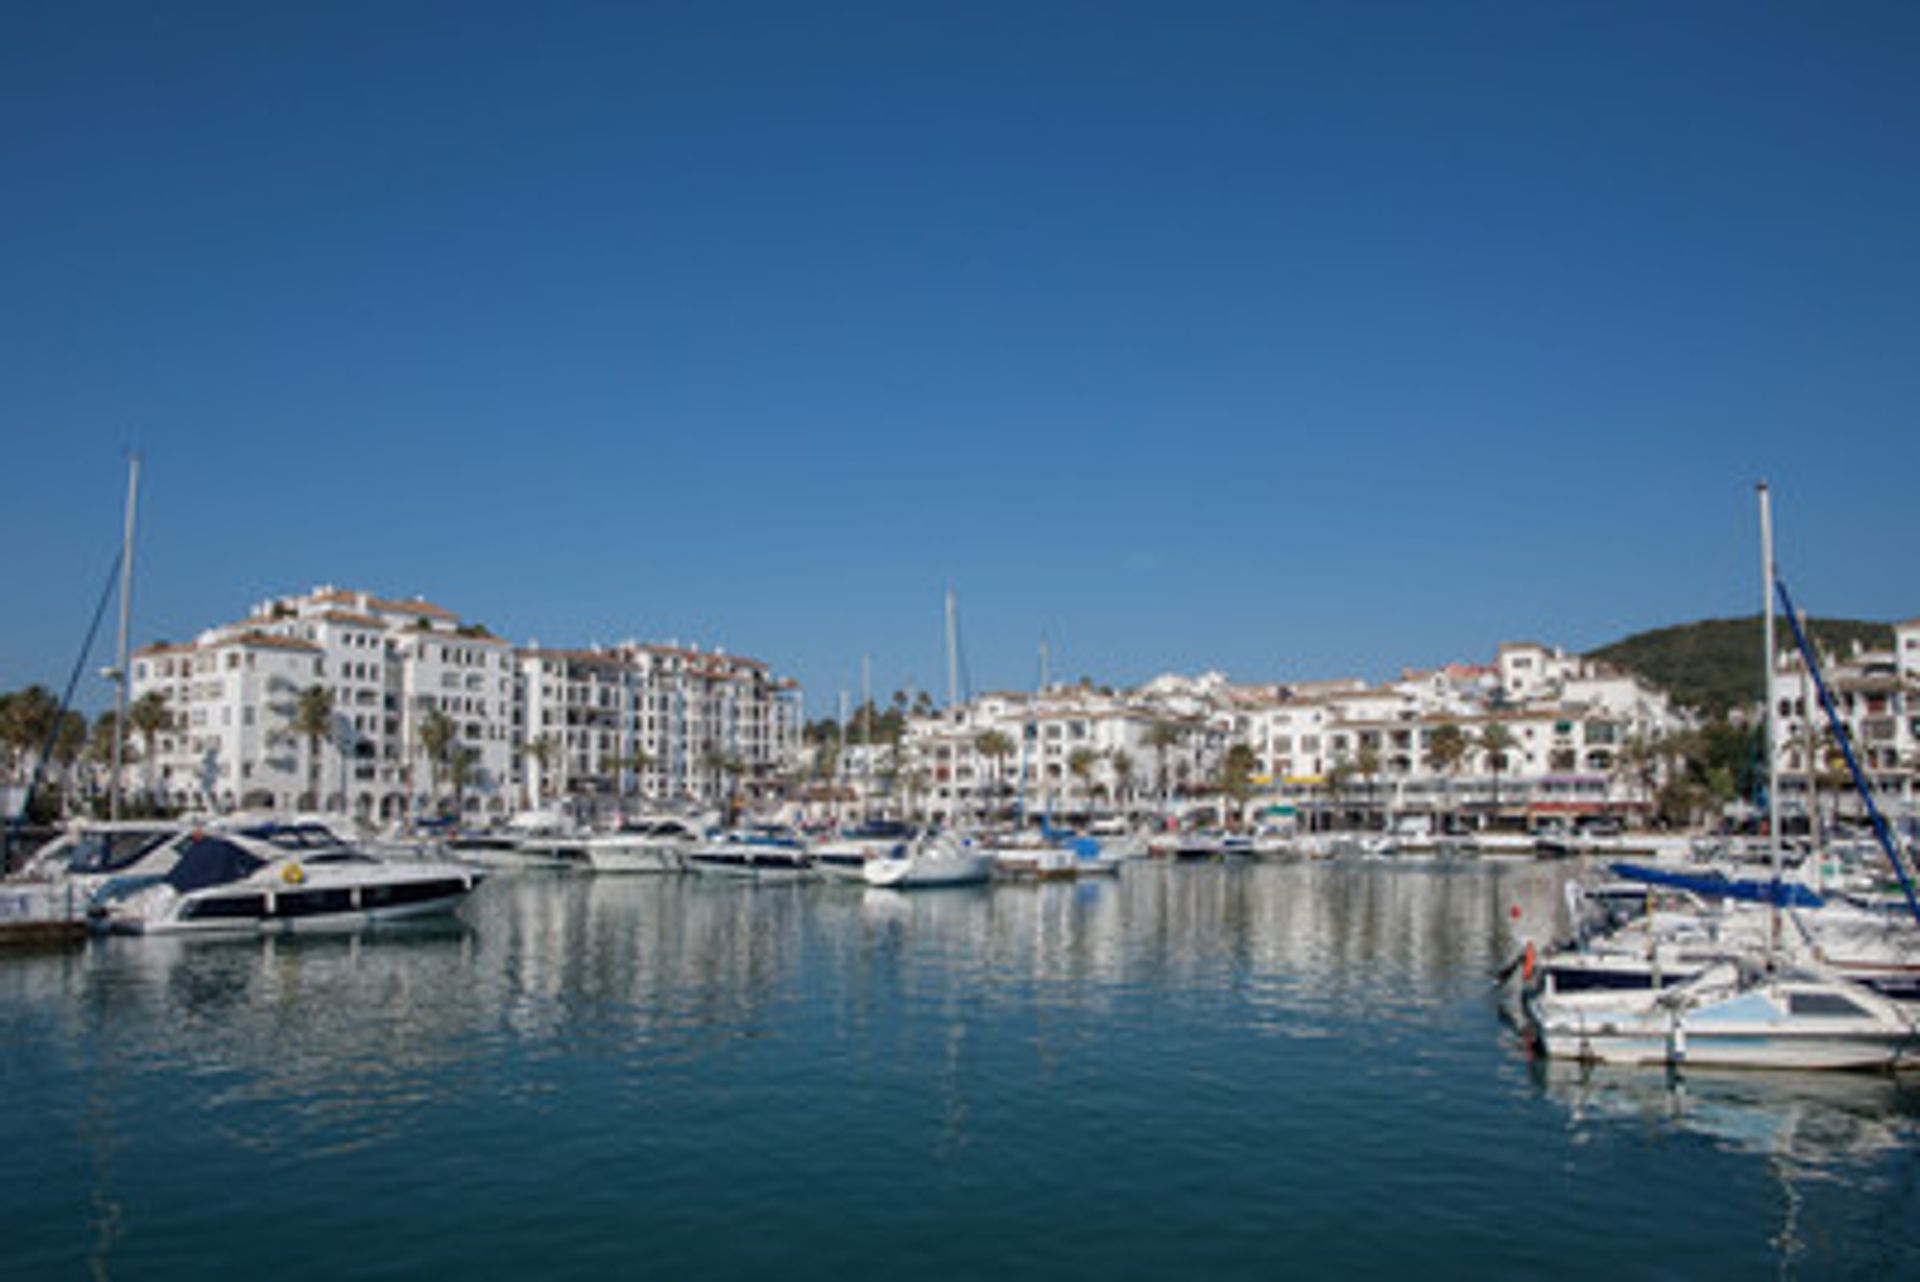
{"x":1207,"y":1071}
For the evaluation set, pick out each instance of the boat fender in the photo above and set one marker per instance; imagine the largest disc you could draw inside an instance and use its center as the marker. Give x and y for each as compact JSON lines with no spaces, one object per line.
{"x":1527,"y":960}
{"x":294,"y":874}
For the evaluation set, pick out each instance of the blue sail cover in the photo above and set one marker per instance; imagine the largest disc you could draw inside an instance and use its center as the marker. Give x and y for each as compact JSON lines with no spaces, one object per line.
{"x":1715,"y":885}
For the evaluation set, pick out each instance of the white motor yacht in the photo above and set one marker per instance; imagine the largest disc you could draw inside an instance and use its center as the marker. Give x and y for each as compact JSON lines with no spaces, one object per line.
{"x":1733,"y":1014}
{"x":1028,"y":856}
{"x":643,"y":846}
{"x":762,"y":851}
{"x":939,"y":860}
{"x":87,"y":855}
{"x":845,"y":856}
{"x":232,"y":881}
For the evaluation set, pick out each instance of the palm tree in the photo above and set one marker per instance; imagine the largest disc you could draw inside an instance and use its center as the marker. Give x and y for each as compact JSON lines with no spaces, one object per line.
{"x":541,"y":748}
{"x":914,"y":783}
{"x":313,"y":721}
{"x":69,"y":741}
{"x":996,"y":747}
{"x":1162,"y":736}
{"x":1122,"y":766}
{"x":460,"y":770}
{"x":435,"y":741}
{"x":1236,"y":778}
{"x":629,"y":766}
{"x":1366,"y":764}
{"x":1495,"y":740}
{"x":1337,"y":775}
{"x":150,"y":718}
{"x":1080,"y":763}
{"x":1446,"y":749}
{"x":27,"y":719}
{"x":729,"y":766}
{"x":99,"y":754}
{"x":1639,"y":761}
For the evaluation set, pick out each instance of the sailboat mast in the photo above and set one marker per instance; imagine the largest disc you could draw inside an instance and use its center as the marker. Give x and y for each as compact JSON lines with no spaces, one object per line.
{"x":122,"y":675}
{"x":953,"y":651}
{"x":1771,"y":709}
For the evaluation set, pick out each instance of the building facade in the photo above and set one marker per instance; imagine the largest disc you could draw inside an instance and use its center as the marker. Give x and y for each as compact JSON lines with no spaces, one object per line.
{"x":428,"y":714}
{"x":237,"y":742}
{"x":634,"y":725}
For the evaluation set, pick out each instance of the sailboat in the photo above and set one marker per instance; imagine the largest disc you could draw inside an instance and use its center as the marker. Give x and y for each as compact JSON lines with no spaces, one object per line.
{"x":44,"y":904}
{"x":1757,"y":1006}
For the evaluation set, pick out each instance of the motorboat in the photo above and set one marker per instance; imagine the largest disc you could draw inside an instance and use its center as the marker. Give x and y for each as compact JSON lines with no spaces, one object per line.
{"x":234,"y":881}
{"x":87,"y":855}
{"x":1773,"y":998}
{"x":845,"y":857}
{"x":1198,"y":844}
{"x":643,"y":846}
{"x":942,"y":859}
{"x":761,"y":851}
{"x":1029,"y":856}
{"x":1118,"y":840}
{"x":536,"y":839}
{"x":1736,"y":1013}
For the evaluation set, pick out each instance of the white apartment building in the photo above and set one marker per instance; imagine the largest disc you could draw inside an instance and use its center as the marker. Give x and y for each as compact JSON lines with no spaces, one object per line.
{"x":1318,"y":748}
{"x":1877,"y":694}
{"x":234,"y":693}
{"x":1071,"y":750}
{"x":607,"y":729}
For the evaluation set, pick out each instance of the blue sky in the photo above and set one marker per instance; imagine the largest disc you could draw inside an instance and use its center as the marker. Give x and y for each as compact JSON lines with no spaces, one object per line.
{"x":1296,"y":340}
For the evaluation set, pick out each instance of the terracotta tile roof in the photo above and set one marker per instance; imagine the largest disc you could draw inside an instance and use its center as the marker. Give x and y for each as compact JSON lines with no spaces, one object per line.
{"x":264,"y":641}
{"x":706,"y":657}
{"x":340,"y":596}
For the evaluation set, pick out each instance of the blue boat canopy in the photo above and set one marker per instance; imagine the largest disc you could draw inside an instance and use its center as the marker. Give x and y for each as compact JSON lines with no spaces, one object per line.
{"x":1719,"y":886}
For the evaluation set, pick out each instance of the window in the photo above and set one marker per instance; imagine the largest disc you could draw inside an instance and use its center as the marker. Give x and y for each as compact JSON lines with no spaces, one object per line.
{"x":1829,"y":1005}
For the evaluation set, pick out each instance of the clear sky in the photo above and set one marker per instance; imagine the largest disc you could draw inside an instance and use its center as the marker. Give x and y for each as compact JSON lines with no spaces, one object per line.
{"x":1291,"y":339}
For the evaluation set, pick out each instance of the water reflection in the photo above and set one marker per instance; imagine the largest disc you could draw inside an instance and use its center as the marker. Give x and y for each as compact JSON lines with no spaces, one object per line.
{"x":669,"y":963}
{"x":1812,"y":1132}
{"x":1285,"y":1035}
{"x":1813,"y":1123}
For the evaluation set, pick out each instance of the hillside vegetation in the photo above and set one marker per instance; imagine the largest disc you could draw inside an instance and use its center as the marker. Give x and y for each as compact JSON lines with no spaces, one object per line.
{"x":1712,"y":665}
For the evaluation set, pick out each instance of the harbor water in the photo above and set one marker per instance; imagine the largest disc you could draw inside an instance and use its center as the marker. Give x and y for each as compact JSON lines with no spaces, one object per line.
{"x":1205,"y":1071}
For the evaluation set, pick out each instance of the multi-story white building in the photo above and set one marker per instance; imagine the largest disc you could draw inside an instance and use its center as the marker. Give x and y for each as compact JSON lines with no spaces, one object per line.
{"x":234,"y":695}
{"x":605,"y":728}
{"x":1316,"y":747}
{"x":536,"y":726}
{"x":1877,"y":696}
{"x":1070,"y":749}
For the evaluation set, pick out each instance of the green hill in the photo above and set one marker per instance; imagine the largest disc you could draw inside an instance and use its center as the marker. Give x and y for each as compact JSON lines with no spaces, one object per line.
{"x":1712,"y":665}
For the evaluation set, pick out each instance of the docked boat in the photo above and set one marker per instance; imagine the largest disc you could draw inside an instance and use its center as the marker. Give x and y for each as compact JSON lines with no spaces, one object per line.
{"x":229,"y":881}
{"x":536,"y":839}
{"x":1028,"y":856}
{"x":643,"y":846}
{"x":845,"y":857}
{"x":939,"y":860}
{"x":1733,"y":1014}
{"x":1772,"y":997}
{"x":87,"y":855}
{"x":762,"y":851}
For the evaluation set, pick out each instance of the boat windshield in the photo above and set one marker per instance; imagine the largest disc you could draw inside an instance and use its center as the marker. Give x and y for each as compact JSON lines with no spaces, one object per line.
{"x":210,"y":861}
{"x":301,"y":836}
{"x":104,"y":851}
{"x":881,"y":829}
